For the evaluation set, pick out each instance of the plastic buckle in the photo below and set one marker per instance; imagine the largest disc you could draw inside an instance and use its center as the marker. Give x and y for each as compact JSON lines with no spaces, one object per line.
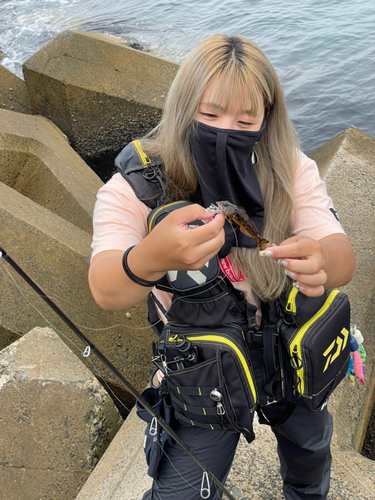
{"x":257,"y":337}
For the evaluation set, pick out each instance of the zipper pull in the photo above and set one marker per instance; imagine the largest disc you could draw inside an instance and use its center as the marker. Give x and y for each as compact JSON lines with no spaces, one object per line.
{"x":220,"y":409}
{"x":205,"y":486}
{"x":296,"y":362}
{"x":153,"y":427}
{"x":291,"y":303}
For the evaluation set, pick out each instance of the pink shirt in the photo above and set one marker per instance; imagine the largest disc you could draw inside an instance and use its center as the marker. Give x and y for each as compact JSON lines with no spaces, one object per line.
{"x":120,"y":218}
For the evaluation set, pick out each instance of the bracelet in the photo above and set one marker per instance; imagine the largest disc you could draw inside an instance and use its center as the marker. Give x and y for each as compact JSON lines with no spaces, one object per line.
{"x":133,"y":277}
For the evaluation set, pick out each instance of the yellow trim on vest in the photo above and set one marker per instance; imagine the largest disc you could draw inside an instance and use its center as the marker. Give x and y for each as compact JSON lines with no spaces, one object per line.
{"x":217,"y":338}
{"x":295,"y":345}
{"x":291,"y":304}
{"x":162,"y":208}
{"x":145,"y":159}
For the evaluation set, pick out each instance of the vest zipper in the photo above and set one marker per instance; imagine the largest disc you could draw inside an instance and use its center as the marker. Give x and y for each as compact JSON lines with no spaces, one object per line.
{"x":144,"y":158}
{"x":291,"y":303}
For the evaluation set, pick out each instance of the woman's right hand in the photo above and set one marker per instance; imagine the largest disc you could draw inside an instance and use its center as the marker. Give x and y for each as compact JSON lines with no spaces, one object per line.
{"x":172,"y":245}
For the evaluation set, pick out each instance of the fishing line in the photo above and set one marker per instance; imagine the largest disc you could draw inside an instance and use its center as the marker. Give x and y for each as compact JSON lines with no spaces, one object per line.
{"x":93,"y":365}
{"x":92,"y":349}
{"x":236,"y":239}
{"x":57,"y":298}
{"x":65,"y":337}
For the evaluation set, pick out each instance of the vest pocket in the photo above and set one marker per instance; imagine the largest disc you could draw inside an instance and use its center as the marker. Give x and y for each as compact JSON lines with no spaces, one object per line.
{"x":216,"y":388}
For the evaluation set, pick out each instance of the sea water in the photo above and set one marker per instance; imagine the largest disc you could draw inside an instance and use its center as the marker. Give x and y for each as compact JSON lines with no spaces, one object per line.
{"x":324,"y":52}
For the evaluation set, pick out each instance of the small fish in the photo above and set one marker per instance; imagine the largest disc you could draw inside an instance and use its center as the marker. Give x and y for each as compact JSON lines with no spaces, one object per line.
{"x":240,"y":217}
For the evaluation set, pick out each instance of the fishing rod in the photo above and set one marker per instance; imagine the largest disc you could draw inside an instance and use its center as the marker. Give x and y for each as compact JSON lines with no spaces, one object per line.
{"x":90,"y":347}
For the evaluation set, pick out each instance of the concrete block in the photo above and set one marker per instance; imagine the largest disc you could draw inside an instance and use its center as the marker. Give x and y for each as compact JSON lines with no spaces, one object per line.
{"x":97,"y":90}
{"x":7,"y":337}
{"x":38,"y":162}
{"x":121,"y":473}
{"x":56,"y":254}
{"x":347,"y":165}
{"x":13,"y":92}
{"x":56,"y":419}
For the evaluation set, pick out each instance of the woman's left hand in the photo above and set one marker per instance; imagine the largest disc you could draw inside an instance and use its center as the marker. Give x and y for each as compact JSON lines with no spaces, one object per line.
{"x":316,"y":265}
{"x":303,"y":261}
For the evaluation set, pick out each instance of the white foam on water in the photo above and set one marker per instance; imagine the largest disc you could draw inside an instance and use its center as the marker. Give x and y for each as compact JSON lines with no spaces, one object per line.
{"x":324,"y":52}
{"x":22,"y":34}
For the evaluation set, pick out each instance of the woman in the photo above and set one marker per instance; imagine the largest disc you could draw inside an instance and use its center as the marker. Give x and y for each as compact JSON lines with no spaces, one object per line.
{"x":225,"y":135}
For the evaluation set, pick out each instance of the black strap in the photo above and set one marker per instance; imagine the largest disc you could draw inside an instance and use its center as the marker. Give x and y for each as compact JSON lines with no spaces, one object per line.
{"x":269,"y":342}
{"x":281,"y":420}
{"x":193,"y":423}
{"x":191,"y":391}
{"x":197,"y":410}
{"x":153,"y":318}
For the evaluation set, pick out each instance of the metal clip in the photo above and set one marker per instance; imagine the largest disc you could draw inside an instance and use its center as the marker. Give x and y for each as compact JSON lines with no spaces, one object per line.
{"x":153,"y":427}
{"x":86,"y":352}
{"x":216,"y":395}
{"x":220,"y":409}
{"x":205,"y":486}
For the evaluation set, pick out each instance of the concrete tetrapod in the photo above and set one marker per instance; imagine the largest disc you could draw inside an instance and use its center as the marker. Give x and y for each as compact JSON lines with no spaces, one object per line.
{"x":100,"y":92}
{"x":56,"y":420}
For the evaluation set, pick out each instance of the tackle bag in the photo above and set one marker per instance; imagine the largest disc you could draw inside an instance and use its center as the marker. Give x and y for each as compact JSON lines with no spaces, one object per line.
{"x":315,"y":343}
{"x":213,"y":386}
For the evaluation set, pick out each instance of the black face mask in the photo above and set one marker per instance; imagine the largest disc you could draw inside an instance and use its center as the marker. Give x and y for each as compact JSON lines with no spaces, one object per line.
{"x":226,"y":173}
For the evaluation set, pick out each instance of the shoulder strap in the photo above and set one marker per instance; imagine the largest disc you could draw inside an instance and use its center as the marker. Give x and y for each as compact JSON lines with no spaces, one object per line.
{"x":142,"y":173}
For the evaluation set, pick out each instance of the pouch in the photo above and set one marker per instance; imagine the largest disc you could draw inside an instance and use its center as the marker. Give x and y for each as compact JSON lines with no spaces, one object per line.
{"x":315,"y":336}
{"x":209,"y":377}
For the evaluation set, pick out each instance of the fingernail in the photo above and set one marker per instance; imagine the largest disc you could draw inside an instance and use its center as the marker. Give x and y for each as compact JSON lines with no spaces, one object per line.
{"x":291,"y":274}
{"x":298,"y":286}
{"x":282,"y":262}
{"x":265,"y":253}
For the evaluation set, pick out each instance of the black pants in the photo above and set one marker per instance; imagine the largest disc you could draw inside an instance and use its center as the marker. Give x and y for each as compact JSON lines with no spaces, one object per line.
{"x":303,"y":449}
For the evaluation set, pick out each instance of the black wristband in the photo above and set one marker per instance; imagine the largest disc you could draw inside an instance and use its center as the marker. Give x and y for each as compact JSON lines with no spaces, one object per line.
{"x":133,"y":277}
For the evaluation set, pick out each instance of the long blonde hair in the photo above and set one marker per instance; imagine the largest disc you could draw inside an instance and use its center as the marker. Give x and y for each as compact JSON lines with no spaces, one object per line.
{"x":244,"y":74}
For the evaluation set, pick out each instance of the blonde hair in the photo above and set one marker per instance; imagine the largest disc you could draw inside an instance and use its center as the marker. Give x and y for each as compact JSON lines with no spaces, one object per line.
{"x":243,"y":74}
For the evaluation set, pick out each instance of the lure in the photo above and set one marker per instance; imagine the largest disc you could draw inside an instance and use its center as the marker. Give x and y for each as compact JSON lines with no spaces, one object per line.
{"x":238,"y":215}
{"x":362,"y":353}
{"x":357,"y":360}
{"x":358,"y":367}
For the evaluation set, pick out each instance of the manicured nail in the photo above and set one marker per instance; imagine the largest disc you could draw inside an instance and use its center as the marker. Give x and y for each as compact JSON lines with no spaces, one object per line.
{"x":282,"y":262}
{"x":291,"y":274}
{"x":266,"y":253}
{"x":298,"y":286}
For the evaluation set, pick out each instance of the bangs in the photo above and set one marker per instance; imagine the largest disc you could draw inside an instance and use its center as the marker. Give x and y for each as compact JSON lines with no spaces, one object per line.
{"x":237,"y":89}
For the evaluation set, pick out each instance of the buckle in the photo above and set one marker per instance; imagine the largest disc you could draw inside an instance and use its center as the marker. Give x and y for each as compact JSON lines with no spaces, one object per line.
{"x":254,"y":337}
